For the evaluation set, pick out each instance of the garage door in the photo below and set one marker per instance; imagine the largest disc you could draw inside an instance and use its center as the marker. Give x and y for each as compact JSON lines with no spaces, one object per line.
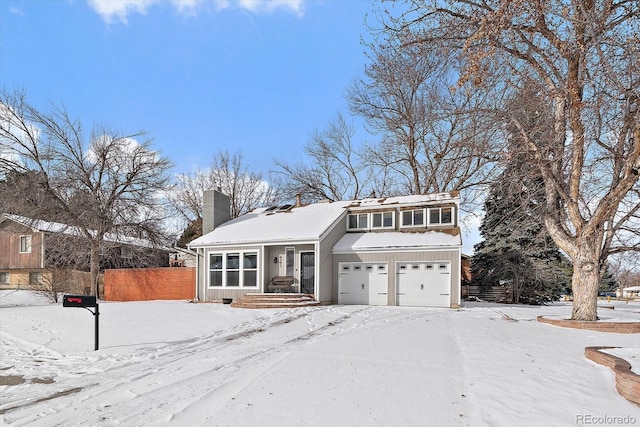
{"x":424,"y":284}
{"x":363,"y":283}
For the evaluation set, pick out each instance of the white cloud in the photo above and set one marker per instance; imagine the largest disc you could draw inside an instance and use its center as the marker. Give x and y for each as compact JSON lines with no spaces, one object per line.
{"x":186,"y":7}
{"x":111,"y":10}
{"x":258,"y":6}
{"x":222,"y":4}
{"x":16,"y":11}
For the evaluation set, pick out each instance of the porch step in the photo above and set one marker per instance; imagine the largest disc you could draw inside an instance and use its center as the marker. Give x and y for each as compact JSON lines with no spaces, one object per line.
{"x":274,"y":301}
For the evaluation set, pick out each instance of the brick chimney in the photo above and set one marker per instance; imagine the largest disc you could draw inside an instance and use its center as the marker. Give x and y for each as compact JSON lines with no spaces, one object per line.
{"x":216,"y":209}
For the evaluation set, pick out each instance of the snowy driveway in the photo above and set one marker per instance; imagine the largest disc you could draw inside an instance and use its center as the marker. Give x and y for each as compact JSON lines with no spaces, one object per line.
{"x":204,"y":364}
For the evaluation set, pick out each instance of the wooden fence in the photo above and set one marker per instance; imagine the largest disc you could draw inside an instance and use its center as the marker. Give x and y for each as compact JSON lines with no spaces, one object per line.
{"x":494,"y":293}
{"x":145,"y":284}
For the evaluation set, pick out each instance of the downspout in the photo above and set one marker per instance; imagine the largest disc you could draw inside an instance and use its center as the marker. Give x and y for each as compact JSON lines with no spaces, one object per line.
{"x":42,"y":237}
{"x":198,"y":255}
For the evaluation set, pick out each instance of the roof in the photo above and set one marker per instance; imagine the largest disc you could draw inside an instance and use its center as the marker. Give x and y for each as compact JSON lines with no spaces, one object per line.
{"x":301,"y":223}
{"x":57,"y":227}
{"x":390,"y":240}
{"x":404,"y":201}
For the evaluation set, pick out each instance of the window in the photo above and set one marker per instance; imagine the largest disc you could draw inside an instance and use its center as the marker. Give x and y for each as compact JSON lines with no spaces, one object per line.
{"x":233,"y":269}
{"x":290,"y":259}
{"x":441,"y":216}
{"x":382,"y":220}
{"x":215,"y":269}
{"x":126,"y":252}
{"x":413,"y":218}
{"x":357,"y":221}
{"x":35,"y":278}
{"x":250,"y":269}
{"x":25,"y":244}
{"x":4,"y":278}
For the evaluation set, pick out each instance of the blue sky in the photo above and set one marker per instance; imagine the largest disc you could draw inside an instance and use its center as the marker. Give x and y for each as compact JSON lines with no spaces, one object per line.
{"x":199,"y":75}
{"x":251,"y":76}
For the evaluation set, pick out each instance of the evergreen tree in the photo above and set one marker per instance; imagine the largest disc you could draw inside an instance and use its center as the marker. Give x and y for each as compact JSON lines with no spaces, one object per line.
{"x":192,"y":232}
{"x":517,"y":250}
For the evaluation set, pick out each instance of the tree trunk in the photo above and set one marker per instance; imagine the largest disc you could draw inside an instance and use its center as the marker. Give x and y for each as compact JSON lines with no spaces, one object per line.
{"x":95,"y":268}
{"x":585,"y":282}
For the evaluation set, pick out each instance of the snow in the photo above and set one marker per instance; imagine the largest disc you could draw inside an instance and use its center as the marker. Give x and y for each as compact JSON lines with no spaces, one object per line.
{"x":355,"y":242}
{"x":402,"y":201}
{"x":304,"y":223}
{"x":631,"y":355}
{"x":56,"y":227}
{"x":301,"y":223}
{"x":183,"y":364}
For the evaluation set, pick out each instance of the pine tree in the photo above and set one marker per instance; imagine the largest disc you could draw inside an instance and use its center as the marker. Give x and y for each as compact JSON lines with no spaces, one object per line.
{"x":193,"y":231}
{"x":517,"y":250}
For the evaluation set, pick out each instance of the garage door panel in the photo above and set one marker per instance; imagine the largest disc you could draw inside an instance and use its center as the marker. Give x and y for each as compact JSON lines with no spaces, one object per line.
{"x":363,"y":283}
{"x":424,"y":284}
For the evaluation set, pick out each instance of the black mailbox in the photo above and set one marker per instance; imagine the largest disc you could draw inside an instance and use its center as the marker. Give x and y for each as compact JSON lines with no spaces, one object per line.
{"x":79,"y":301}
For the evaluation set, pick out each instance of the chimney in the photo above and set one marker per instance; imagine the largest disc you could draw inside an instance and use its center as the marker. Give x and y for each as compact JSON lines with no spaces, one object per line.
{"x":298,"y":200}
{"x":216,"y":209}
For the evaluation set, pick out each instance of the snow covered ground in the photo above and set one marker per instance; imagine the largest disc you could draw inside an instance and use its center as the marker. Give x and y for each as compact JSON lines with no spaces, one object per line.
{"x":182,"y":364}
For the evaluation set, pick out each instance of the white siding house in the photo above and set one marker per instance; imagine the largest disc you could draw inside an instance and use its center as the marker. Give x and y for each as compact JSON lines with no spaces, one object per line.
{"x":379,"y":251}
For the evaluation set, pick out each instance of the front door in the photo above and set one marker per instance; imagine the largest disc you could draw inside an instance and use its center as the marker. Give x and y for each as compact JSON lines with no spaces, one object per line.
{"x":307,"y":272}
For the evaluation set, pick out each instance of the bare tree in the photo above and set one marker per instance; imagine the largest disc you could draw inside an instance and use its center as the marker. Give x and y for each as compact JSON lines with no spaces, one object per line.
{"x":426,"y":141}
{"x":228,"y":172}
{"x":338,"y":171}
{"x":105,"y":184}
{"x":583,"y":58}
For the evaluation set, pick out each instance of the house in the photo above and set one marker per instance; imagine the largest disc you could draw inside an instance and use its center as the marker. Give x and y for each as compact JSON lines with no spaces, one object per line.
{"x":378,"y":251}
{"x":36,"y":253}
{"x":630,"y":292}
{"x":180,"y":257}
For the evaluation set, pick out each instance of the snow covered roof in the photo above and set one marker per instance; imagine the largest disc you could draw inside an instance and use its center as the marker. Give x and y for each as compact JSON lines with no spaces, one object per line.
{"x":56,"y":227}
{"x":361,"y":242}
{"x":402,"y":201}
{"x":302,"y":223}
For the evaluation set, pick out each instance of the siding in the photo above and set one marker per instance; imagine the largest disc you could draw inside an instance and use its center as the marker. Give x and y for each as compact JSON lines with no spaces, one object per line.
{"x":144,"y":284}
{"x":10,"y":256}
{"x":209,"y":295}
{"x":328,"y":275}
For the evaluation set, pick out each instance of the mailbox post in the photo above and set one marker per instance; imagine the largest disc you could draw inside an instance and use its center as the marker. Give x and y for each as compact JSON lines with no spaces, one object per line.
{"x":85,"y":301}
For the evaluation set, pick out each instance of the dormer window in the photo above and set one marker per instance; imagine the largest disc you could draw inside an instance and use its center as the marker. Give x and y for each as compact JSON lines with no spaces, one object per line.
{"x":358,"y":221}
{"x":382,"y":220}
{"x":441,"y":216}
{"x":413,"y":218}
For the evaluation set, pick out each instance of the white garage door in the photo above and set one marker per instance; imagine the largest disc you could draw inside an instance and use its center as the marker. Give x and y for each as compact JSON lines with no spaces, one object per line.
{"x":363,"y":283}
{"x":424,"y":284}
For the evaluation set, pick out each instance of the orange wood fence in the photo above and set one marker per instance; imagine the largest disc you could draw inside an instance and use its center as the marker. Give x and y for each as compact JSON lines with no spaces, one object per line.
{"x":144,"y":284}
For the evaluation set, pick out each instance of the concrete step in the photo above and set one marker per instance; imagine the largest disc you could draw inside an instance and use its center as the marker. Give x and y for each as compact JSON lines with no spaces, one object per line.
{"x":274,"y":301}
